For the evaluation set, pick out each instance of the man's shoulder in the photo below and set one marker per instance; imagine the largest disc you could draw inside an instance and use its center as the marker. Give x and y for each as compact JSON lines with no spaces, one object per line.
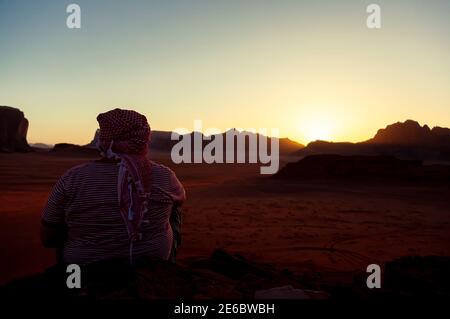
{"x":165,"y":179}
{"x":88,"y":167}
{"x":161,"y":169}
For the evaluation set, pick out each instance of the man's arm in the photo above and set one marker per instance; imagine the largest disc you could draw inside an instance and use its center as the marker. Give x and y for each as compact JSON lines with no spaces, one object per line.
{"x":53,"y":231}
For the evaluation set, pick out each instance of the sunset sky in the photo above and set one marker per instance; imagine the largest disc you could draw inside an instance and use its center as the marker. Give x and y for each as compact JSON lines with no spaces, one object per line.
{"x":310,"y":68}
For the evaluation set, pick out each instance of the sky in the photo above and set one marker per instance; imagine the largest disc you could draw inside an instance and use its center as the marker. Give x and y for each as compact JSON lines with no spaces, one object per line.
{"x":312,"y":69}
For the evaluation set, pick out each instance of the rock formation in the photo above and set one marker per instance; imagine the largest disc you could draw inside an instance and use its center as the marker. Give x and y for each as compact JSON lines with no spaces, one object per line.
{"x":364,"y":168}
{"x":13,"y":130}
{"x":411,"y":133}
{"x":73,"y":150}
{"x":222,"y":275}
{"x":407,"y":140}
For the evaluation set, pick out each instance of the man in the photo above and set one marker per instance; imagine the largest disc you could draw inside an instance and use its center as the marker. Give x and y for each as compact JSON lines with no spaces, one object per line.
{"x":118,"y":207}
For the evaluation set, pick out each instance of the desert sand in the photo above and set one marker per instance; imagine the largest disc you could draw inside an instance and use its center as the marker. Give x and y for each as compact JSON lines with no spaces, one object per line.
{"x":330,"y":230}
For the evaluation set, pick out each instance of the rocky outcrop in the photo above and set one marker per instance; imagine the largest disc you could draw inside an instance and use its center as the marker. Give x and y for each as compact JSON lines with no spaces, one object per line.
{"x":93,"y":143}
{"x":411,"y":133}
{"x":13,"y":130}
{"x":231,"y":276}
{"x":364,"y":168}
{"x":222,"y":275}
{"x":73,"y":150}
{"x":407,"y":140}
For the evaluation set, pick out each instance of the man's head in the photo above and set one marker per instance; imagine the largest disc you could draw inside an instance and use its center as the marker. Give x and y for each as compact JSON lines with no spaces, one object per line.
{"x":125,"y":131}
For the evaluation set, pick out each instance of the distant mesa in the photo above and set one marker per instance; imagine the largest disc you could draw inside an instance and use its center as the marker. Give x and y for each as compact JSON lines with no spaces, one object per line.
{"x":41,"y":146}
{"x":13,"y":130}
{"x":407,"y":140}
{"x":74,"y":150}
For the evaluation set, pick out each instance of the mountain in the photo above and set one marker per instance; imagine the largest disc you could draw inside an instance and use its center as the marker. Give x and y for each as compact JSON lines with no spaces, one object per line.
{"x":67,"y":149}
{"x":42,"y":146}
{"x":161,"y":141}
{"x":411,"y":133}
{"x":407,"y":140}
{"x":13,"y":130}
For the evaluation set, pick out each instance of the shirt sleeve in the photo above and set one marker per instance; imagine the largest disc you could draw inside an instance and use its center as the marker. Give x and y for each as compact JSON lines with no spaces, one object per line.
{"x":54,"y":210}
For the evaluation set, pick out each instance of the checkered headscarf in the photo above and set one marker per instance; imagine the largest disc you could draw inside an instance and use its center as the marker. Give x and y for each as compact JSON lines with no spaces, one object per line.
{"x":124,"y":135}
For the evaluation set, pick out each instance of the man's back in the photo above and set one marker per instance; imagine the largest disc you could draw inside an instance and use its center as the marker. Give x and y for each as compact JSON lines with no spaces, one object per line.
{"x":86,"y":200}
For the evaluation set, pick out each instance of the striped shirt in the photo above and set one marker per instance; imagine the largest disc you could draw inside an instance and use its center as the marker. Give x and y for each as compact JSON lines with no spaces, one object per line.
{"x":85,"y":199}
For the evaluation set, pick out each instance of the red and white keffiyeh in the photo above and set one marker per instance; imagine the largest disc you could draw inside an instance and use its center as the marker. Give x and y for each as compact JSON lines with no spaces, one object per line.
{"x":124,"y":135}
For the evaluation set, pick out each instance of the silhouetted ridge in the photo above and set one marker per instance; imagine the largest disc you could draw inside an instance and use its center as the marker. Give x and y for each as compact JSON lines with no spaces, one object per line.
{"x":74,"y":150}
{"x":406,"y":140}
{"x":411,"y":133}
{"x":161,"y":141}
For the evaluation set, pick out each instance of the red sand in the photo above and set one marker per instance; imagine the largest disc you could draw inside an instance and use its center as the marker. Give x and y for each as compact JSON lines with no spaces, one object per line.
{"x":304,"y":226}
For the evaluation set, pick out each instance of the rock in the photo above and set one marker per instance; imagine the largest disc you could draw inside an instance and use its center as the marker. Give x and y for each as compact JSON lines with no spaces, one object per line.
{"x":421,"y":276}
{"x":407,"y":140}
{"x":41,"y":146}
{"x":93,"y":143}
{"x":74,"y":150}
{"x":363,"y":168}
{"x":222,"y":275}
{"x":411,"y":133}
{"x":13,"y":130}
{"x":285,"y":292}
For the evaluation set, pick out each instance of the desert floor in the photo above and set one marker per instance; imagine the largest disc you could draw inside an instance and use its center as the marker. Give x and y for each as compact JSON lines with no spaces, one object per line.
{"x":322,"y":228}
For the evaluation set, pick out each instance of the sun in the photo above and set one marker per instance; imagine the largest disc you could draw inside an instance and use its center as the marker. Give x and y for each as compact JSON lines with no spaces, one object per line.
{"x":319,"y":130}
